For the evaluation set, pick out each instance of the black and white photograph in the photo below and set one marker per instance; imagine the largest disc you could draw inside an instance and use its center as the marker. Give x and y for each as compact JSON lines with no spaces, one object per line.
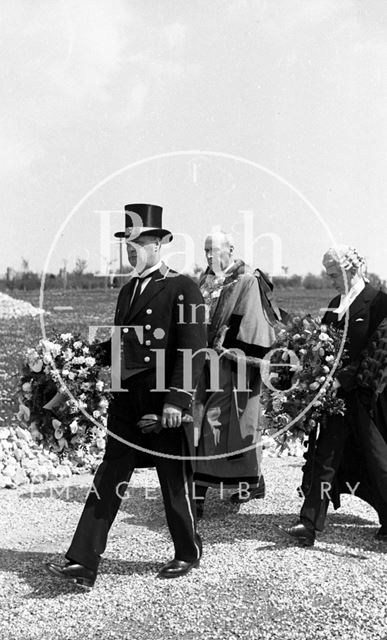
{"x":193,"y":320}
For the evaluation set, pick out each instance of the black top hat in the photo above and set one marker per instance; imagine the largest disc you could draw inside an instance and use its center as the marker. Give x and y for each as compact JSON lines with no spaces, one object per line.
{"x":141,"y":219}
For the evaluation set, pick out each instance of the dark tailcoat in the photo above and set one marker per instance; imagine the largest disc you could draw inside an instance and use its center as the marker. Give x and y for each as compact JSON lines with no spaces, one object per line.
{"x":350,"y":449}
{"x":168,"y":316}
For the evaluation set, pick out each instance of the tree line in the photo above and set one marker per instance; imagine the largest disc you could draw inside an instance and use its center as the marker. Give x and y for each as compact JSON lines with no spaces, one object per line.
{"x":79,"y":278}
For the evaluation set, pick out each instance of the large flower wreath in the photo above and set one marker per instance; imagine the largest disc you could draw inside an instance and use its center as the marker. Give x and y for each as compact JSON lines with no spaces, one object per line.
{"x":62,"y":397}
{"x":299,"y":395}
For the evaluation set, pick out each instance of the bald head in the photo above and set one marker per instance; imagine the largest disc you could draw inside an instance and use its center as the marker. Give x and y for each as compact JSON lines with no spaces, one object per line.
{"x":219,"y":249}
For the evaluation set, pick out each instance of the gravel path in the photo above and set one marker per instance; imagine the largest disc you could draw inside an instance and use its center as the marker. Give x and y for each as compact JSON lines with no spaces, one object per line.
{"x":252,"y":583}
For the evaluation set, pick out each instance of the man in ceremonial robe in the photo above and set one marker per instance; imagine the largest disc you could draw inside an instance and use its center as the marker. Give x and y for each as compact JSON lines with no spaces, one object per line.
{"x":241,"y":317}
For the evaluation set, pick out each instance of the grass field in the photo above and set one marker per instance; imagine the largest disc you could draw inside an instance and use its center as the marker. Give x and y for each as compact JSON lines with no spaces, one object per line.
{"x":252,"y":584}
{"x":296,"y":300}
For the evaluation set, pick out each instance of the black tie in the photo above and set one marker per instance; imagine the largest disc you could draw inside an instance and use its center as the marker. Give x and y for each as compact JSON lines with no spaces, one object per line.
{"x":155,"y":275}
{"x":137,"y":293}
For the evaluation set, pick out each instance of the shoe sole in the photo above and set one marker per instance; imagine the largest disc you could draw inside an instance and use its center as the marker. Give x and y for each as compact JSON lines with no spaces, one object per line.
{"x":180,"y":575}
{"x":80,"y":582}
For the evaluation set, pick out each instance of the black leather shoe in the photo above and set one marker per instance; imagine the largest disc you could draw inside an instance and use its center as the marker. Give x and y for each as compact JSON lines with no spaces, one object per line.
{"x":255,"y":494}
{"x":176,"y":568}
{"x":74,"y":573}
{"x":381,"y":535}
{"x":301,"y":533}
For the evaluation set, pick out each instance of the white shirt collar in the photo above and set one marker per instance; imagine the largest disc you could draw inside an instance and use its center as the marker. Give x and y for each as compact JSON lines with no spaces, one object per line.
{"x":347,"y":299}
{"x":147,"y":272}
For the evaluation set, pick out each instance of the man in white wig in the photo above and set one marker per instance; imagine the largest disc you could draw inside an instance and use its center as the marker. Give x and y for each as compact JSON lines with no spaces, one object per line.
{"x":349,"y":455}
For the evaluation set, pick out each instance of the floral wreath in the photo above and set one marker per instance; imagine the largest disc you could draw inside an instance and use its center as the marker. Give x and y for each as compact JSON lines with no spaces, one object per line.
{"x":61,"y":384}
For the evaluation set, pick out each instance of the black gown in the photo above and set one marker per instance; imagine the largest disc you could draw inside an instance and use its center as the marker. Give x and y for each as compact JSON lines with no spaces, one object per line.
{"x":349,"y":455}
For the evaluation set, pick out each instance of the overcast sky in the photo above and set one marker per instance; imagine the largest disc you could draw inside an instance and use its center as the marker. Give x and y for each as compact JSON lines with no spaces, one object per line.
{"x":298,"y":87}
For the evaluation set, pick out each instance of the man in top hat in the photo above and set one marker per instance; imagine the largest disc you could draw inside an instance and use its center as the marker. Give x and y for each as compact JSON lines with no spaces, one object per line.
{"x":153,"y":314}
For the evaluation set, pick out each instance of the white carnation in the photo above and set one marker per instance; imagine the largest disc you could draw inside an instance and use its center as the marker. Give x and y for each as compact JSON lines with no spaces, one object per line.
{"x":74,"y":426}
{"x":66,"y":336}
{"x":56,"y":349}
{"x":103,"y":403}
{"x":37,"y":366}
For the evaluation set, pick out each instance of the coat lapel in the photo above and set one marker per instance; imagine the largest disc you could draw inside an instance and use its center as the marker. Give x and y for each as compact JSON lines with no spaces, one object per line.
{"x":360,"y":305}
{"x":153,"y":288}
{"x":124,"y":303}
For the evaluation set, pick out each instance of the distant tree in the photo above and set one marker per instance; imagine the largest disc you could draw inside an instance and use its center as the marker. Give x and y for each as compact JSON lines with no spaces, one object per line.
{"x":287,"y":282}
{"x":80,"y":266}
{"x":295,"y":280}
{"x":376,"y":281}
{"x":311,"y":281}
{"x":280,"y":282}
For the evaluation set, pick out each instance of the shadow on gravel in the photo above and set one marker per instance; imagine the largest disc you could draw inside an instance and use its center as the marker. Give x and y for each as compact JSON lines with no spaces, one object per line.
{"x":141,"y":506}
{"x":342,"y":530}
{"x":29,"y":566}
{"x":347,"y":519}
{"x":223,"y":522}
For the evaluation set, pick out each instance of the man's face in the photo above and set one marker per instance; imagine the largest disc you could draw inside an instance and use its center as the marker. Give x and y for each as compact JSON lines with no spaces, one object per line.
{"x":218,"y":253}
{"x":143,"y":252}
{"x":337,"y":278}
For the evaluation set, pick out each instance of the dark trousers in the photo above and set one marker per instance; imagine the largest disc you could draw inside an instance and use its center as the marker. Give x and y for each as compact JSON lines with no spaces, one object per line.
{"x":321,"y":468}
{"x":116,"y":469}
{"x":337,"y":464}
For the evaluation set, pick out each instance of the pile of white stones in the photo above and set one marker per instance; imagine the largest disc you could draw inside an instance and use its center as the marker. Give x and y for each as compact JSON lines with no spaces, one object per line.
{"x":23,"y":461}
{"x":272,"y":448}
{"x":11,"y":308}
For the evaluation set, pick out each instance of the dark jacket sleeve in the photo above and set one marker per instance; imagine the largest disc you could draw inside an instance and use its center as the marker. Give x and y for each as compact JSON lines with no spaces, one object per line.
{"x":378,"y":311}
{"x":348,"y":375}
{"x":102,"y":351}
{"x":190,"y":337}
